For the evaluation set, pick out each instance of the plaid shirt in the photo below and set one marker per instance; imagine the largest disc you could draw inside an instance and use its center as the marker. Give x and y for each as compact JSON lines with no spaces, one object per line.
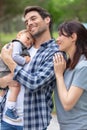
{"x":39,"y":83}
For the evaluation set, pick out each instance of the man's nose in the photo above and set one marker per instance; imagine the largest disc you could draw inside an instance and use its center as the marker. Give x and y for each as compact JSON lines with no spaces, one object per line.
{"x":29,"y":22}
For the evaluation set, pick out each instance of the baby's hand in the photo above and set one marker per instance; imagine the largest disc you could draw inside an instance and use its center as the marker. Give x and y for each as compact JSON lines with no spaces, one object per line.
{"x":27,"y":58}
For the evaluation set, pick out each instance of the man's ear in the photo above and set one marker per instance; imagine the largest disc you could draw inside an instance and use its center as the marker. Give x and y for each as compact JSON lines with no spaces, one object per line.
{"x":47,"y":20}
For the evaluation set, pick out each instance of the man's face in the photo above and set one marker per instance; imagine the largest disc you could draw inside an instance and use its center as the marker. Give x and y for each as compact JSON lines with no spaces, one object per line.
{"x":35,"y":24}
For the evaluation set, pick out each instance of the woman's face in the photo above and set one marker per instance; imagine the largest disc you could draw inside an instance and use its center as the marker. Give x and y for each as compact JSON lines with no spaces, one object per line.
{"x":65,"y":43}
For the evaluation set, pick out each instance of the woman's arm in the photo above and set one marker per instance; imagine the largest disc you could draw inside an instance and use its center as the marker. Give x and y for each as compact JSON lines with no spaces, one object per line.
{"x":69,"y":97}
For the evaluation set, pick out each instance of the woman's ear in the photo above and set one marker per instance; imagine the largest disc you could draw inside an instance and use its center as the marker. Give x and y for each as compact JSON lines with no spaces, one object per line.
{"x":74,"y":36}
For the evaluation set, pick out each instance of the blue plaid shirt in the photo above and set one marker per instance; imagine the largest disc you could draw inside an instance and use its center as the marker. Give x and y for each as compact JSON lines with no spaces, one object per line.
{"x":39,"y":83}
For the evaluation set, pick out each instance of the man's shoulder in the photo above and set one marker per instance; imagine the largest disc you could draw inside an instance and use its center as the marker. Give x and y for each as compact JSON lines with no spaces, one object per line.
{"x":54,"y":46}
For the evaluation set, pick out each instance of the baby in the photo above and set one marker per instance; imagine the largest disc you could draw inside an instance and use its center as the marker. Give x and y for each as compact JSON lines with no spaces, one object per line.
{"x":21,"y":56}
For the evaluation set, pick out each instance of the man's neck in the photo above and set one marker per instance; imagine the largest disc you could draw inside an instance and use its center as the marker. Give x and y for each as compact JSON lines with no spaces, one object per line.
{"x":42,"y":39}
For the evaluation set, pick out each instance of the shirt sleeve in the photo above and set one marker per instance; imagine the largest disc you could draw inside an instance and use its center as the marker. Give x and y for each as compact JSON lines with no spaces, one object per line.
{"x":43,"y":76}
{"x":17,"y":50}
{"x":80,"y":78}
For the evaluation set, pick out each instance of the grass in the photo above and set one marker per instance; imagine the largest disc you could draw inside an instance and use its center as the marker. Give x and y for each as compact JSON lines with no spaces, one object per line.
{"x":7,"y":37}
{"x":54,"y":109}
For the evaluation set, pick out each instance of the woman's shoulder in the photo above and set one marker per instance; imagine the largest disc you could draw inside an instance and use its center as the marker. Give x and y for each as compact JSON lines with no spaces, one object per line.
{"x":82,"y":62}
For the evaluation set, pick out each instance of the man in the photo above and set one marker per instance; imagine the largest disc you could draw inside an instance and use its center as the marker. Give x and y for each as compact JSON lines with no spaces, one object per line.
{"x":38,"y":80}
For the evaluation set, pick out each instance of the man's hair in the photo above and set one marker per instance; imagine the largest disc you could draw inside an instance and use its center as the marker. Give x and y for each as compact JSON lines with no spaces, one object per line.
{"x":41,"y":11}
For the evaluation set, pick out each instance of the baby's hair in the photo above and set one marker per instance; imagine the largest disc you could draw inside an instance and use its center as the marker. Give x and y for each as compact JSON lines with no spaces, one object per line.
{"x":24,"y":31}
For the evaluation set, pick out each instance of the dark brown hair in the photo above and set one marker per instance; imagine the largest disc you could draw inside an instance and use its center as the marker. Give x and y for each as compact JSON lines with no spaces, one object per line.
{"x":69,"y":28}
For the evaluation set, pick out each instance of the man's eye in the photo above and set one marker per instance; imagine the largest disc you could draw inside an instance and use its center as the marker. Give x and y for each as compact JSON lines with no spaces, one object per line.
{"x":33,"y":18}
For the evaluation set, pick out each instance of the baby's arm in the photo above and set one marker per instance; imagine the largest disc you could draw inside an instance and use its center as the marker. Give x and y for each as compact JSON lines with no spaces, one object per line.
{"x":17,"y":50}
{"x":27,"y":59}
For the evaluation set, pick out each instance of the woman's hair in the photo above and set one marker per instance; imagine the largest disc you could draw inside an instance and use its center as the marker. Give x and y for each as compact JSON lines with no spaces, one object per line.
{"x":41,"y":11}
{"x":69,"y":28}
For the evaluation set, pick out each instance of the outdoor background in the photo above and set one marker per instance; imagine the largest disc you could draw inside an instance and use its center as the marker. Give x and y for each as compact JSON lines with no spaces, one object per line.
{"x":11,"y":15}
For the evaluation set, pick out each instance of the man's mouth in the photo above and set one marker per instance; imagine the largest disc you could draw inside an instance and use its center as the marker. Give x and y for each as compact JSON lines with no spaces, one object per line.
{"x":31,"y":29}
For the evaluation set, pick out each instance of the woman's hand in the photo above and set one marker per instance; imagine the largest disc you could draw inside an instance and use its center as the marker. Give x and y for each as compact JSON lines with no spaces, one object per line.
{"x":59,"y":64}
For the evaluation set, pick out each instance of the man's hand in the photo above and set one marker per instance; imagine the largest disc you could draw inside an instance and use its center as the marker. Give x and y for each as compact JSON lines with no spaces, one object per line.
{"x":8,"y":80}
{"x":6,"y":55}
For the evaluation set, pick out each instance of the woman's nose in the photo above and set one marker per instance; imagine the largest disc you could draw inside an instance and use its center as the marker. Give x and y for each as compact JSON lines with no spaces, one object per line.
{"x":57,"y":40}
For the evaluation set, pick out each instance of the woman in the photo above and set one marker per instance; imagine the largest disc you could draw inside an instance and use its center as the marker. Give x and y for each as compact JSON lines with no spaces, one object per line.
{"x":71,"y":76}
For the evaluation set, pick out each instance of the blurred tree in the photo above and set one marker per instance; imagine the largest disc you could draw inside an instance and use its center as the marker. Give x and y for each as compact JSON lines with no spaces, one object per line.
{"x":60,"y":9}
{"x":14,"y":7}
{"x":77,"y":9}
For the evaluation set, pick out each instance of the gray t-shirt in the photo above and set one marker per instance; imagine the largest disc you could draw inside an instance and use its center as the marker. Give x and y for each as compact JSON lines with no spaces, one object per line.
{"x":76,"y":118}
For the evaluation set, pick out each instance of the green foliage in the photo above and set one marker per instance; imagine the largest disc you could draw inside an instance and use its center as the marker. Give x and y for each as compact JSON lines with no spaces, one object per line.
{"x":54,"y":109}
{"x":60,"y":9}
{"x":14,"y":7}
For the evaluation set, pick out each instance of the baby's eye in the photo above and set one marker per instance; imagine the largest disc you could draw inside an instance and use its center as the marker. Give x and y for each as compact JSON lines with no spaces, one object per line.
{"x":28,"y":38}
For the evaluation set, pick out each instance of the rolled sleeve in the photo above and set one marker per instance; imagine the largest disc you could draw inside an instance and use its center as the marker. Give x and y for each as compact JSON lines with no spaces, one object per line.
{"x":80,"y":78}
{"x":40,"y":78}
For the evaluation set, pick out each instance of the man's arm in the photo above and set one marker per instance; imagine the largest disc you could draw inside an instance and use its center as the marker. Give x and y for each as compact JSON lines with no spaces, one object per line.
{"x":40,"y":77}
{"x":6,"y":55}
{"x":33,"y":79}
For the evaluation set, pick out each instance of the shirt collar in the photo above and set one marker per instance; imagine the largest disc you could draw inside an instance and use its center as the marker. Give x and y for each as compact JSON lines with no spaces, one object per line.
{"x":45,"y":44}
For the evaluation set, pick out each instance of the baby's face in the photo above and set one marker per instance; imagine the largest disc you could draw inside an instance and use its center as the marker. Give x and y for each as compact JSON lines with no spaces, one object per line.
{"x":26,"y":39}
